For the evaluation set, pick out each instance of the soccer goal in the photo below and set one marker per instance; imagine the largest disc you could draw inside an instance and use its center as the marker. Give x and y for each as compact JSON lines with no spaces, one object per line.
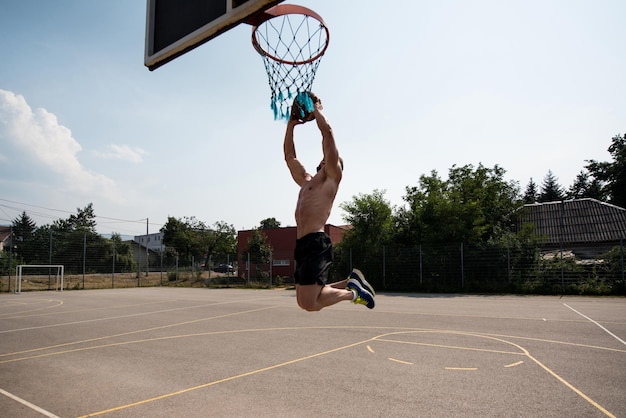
{"x":58,"y":276}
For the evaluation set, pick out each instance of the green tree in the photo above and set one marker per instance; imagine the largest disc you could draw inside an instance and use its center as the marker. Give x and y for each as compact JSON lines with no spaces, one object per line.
{"x":531,"y":193}
{"x":417,"y":222}
{"x":72,"y":242}
{"x":613,"y":174}
{"x":176,"y":235}
{"x":77,"y":245}
{"x":551,"y":190}
{"x":258,"y":251}
{"x":84,"y":220}
{"x":269,"y":223}
{"x":41,"y":245}
{"x":585,"y":186}
{"x":472,"y":206}
{"x":24,"y":228}
{"x":183,"y":235}
{"x":372,"y":224}
{"x":192,"y":238}
{"x":124,"y":259}
{"x":370,"y":216}
{"x":221,"y":239}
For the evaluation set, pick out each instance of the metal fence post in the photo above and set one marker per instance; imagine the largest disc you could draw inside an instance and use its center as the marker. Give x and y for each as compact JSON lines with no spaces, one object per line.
{"x":621,"y":245}
{"x":462,"y":268}
{"x":50,"y":259}
{"x":10,"y":259}
{"x":113,"y":270}
{"x":384,"y":270}
{"x":350,"y":258}
{"x":421,"y":270}
{"x":84,"y":256}
{"x":508,"y":259}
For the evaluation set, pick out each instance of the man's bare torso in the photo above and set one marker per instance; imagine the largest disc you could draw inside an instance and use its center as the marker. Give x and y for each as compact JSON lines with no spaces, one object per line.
{"x":315,"y":201}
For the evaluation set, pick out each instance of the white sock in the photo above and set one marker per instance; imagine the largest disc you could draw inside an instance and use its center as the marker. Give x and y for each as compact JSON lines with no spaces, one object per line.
{"x":355,"y":295}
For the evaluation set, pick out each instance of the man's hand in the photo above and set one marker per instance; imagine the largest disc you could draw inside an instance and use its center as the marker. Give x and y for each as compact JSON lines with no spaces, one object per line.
{"x":296,"y":109}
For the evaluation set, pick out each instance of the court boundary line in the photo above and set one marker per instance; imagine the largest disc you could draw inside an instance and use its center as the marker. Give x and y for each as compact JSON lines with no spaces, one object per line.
{"x":591,"y":320}
{"x":115,"y":336}
{"x":28,"y":404}
{"x":110,"y":318}
{"x":524,"y":352}
{"x":380,"y":338}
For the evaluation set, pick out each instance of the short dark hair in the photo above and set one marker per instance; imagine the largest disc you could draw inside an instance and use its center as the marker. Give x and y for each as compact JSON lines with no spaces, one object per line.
{"x":319,"y":167}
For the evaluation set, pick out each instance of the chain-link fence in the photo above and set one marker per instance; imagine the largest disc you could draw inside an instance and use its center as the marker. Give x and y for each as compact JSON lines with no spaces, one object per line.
{"x":102,"y":263}
{"x":462,"y":268}
{"x":94,"y":262}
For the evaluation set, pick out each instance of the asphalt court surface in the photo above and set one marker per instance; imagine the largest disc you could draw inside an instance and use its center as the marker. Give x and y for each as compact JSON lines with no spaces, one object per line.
{"x":174,"y":352}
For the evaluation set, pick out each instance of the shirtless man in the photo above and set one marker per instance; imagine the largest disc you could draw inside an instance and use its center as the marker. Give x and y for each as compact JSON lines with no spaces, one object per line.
{"x":313,"y":253}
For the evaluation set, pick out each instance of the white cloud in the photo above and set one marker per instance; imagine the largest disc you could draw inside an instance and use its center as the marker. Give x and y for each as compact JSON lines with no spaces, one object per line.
{"x":36,"y":138}
{"x":123,"y":152}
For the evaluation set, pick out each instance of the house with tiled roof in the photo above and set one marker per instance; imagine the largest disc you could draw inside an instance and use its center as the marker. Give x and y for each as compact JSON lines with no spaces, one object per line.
{"x":587,"y":227}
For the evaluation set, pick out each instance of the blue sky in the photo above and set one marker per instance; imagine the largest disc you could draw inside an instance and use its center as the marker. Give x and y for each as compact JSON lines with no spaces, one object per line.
{"x":411,"y":87}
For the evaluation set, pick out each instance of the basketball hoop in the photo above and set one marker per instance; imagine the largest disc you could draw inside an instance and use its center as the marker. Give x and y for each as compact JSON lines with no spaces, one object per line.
{"x":292,"y":40}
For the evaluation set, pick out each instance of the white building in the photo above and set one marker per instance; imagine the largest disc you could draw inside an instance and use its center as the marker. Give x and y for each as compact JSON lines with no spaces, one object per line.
{"x":154,"y":242}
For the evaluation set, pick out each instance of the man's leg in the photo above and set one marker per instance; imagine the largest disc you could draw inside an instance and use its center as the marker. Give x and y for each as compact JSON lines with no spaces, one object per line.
{"x":339,"y":285}
{"x":354,"y":275}
{"x":314,"y":297}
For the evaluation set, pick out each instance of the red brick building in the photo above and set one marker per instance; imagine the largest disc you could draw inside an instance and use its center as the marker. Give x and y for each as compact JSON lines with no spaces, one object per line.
{"x":283,"y":243}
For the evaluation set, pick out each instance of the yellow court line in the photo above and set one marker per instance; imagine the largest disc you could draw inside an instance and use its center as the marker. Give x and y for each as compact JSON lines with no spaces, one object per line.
{"x":401,"y":361}
{"x":572,"y":387}
{"x":227,"y":379}
{"x":114,"y":336}
{"x":450,"y":346}
{"x":376,"y":338}
{"x":110,"y":318}
{"x":520,"y":318}
{"x":19,"y":315}
{"x":523,"y":351}
{"x":541,"y":340}
{"x":514,"y":364}
{"x":167,"y":337}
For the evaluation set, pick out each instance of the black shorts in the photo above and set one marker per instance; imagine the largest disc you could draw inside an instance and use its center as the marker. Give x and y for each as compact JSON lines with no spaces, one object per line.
{"x":313,"y":255}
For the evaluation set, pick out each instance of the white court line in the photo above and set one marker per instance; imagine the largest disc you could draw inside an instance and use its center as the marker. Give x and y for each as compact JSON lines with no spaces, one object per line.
{"x":589,"y":319}
{"x":28,"y":404}
{"x":109,"y":318}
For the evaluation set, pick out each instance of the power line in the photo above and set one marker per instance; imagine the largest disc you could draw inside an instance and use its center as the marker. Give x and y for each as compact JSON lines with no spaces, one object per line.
{"x":108,"y":220}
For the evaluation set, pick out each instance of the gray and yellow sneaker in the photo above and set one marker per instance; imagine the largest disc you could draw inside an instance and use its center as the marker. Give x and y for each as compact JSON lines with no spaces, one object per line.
{"x":359,"y":277}
{"x":362,"y":296}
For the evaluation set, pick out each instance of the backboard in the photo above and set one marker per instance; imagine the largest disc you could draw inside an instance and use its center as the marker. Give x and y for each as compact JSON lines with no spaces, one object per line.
{"x":174,"y":27}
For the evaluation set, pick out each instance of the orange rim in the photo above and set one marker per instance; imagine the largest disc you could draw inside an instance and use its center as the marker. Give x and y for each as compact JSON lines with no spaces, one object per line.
{"x":283,"y":10}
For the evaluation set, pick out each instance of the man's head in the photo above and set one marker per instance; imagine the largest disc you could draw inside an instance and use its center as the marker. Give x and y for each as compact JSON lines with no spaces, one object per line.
{"x":323,"y":163}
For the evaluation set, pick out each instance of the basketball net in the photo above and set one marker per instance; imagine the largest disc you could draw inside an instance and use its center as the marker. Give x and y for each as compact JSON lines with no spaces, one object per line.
{"x":292,"y":40}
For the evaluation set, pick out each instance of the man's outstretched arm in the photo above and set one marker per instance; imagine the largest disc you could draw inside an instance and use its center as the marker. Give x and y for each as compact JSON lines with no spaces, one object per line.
{"x":295,"y":166}
{"x":329,"y":147}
